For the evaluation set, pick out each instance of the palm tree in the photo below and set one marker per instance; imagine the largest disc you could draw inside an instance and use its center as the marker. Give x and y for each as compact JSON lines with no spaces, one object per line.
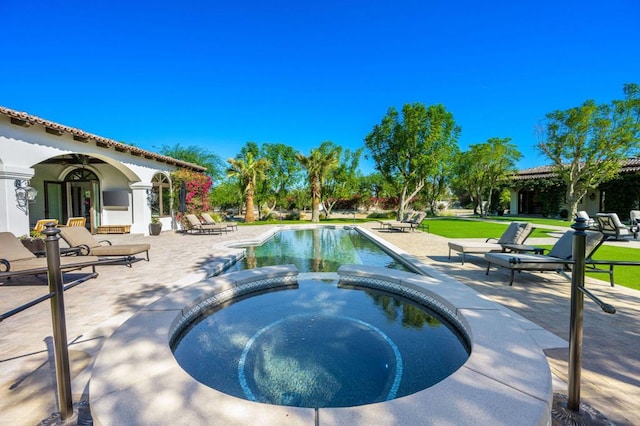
{"x":321,"y":161}
{"x":248,"y":170}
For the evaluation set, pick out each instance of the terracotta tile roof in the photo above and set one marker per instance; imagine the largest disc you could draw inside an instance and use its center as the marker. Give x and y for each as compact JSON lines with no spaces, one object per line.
{"x":630,"y":165}
{"x":81,"y":136}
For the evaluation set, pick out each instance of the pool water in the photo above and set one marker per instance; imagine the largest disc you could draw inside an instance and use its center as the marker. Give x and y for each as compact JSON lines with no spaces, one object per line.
{"x":320,"y":344}
{"x":319,"y":249}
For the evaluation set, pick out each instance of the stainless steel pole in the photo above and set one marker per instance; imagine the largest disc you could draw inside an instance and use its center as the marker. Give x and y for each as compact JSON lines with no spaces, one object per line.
{"x":577,"y":311}
{"x":61,"y":350}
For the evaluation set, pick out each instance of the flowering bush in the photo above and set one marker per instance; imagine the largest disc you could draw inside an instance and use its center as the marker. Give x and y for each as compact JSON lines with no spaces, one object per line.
{"x":198,"y":186}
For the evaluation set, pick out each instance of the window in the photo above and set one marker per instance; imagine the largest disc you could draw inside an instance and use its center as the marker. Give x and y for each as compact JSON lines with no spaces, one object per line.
{"x":161,"y":202}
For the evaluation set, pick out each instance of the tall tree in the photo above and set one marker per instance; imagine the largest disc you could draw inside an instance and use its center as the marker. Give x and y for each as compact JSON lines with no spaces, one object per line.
{"x":586,"y":144}
{"x":407,"y":149}
{"x":342,"y":183}
{"x":318,"y":164}
{"x":197,"y":155}
{"x":248,"y":171}
{"x":483,"y":166}
{"x":285,"y":172}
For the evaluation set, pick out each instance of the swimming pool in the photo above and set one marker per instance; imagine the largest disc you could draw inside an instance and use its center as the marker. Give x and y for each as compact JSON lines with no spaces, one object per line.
{"x":318,"y":249}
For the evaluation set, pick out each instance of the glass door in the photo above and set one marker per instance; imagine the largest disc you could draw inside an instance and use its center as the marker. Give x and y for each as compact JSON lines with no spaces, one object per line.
{"x":54,"y":200}
{"x":83,"y":197}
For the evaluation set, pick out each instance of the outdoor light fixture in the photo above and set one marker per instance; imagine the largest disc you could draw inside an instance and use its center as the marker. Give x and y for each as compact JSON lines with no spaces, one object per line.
{"x":152,"y":196}
{"x":25,"y":194}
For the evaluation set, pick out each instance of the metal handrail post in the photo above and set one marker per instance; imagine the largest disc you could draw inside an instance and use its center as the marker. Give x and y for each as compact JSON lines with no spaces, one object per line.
{"x":61,"y":350}
{"x":577,"y":314}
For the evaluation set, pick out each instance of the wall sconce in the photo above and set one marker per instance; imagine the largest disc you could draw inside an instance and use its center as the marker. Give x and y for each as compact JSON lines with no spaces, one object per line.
{"x":592,"y":196}
{"x":25,"y":194}
{"x":152,"y":196}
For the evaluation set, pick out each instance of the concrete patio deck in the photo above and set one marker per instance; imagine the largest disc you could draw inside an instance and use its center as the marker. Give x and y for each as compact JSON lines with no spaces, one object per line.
{"x":611,"y":366}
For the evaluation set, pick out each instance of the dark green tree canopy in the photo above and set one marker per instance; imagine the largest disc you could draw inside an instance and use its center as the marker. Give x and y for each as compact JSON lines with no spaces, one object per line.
{"x":407,"y":149}
{"x":586,"y":144}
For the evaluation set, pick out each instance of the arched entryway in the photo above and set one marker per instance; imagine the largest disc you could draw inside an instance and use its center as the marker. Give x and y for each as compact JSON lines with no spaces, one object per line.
{"x":77,"y":195}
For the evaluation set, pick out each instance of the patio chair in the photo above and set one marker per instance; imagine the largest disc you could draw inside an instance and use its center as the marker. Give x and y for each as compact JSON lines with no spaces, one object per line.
{"x":208,"y":220}
{"x":407,"y":218}
{"x":78,"y":236}
{"x":194,"y":225}
{"x":555,"y":260}
{"x":40,"y":224}
{"x":75,"y":221}
{"x":515,"y":234}
{"x":634,"y":218}
{"x":611,"y":226}
{"x":16,"y":259}
{"x":591,"y":222}
{"x":384,"y":224}
{"x":411,"y":224}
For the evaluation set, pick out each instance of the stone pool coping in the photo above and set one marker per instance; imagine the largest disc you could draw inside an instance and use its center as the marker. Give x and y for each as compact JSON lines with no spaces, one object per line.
{"x":506,"y":380}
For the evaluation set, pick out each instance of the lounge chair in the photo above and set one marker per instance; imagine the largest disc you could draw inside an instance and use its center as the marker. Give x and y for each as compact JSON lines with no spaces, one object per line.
{"x":555,"y":260}
{"x":195,"y":225}
{"x":384,"y":224}
{"x":16,"y":259}
{"x":591,"y":222}
{"x":412,"y":224}
{"x":75,"y":221}
{"x":78,"y":236}
{"x":611,"y":226}
{"x":634,"y":218}
{"x":40,"y":224}
{"x":515,"y":234}
{"x":208,"y":220}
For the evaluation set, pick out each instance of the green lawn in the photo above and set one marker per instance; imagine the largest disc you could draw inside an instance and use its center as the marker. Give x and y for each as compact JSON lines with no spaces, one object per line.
{"x":627,"y":276}
{"x":534,"y":220}
{"x":461,"y":228}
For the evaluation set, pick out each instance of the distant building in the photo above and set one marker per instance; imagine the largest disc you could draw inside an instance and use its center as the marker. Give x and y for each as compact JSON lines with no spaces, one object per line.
{"x":78,"y":174}
{"x":527,"y":200}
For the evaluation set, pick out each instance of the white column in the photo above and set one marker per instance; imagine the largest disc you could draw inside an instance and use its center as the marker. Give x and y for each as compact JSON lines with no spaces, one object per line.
{"x":12,"y":218}
{"x":140,"y":209}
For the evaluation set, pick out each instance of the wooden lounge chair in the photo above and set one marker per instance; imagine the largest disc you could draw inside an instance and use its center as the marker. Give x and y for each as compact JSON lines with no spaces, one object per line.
{"x":75,"y":221}
{"x":77,"y":236}
{"x":208,"y":220}
{"x":611,"y":226}
{"x":195,"y":225}
{"x":515,"y":234}
{"x":555,"y":260}
{"x":16,"y":259}
{"x":40,"y":224}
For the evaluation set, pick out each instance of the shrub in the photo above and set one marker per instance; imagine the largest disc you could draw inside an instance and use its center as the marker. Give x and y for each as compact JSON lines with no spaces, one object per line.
{"x":293,"y":215}
{"x":382,"y":215}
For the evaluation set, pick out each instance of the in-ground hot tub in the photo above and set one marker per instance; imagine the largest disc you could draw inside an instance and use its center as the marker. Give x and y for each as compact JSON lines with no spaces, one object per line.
{"x":321,"y":343}
{"x":506,"y":379}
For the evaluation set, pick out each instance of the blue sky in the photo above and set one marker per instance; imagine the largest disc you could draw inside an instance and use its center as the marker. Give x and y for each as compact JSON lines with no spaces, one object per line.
{"x":221,"y":73}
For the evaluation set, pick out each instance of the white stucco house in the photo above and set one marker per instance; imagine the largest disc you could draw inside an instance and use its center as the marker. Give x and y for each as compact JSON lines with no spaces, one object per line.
{"x":79,"y":174}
